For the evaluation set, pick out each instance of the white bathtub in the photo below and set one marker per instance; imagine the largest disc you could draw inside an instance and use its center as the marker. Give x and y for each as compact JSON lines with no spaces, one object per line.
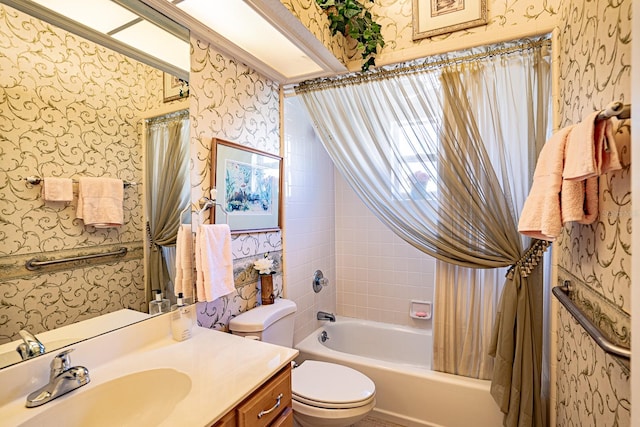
{"x":398,"y":360}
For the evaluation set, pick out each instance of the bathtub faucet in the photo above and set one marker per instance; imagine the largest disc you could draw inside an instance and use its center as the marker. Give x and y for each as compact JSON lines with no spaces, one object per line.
{"x":323,"y":315}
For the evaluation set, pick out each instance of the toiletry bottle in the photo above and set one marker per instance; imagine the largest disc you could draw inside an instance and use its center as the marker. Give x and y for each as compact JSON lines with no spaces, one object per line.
{"x":159,"y":304}
{"x":181,"y":320}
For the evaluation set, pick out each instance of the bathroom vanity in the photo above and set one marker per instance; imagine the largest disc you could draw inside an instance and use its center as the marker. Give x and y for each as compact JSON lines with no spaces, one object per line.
{"x":141,"y":376}
{"x":268,"y":406}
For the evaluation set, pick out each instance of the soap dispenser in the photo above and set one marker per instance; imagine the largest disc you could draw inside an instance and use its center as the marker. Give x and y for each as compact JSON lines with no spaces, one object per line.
{"x":158,"y":305}
{"x":181,"y":320}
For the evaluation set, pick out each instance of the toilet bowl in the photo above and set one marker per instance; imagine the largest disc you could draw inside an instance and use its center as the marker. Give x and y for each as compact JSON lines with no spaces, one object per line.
{"x":330,"y":395}
{"x":324,"y":394}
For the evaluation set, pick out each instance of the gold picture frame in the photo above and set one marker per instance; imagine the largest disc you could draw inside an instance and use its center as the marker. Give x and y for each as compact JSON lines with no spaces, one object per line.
{"x":173,"y":88}
{"x":435,"y":17}
{"x":248,"y":185}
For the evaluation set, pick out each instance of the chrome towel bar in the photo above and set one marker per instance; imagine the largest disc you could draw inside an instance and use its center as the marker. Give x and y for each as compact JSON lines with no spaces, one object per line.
{"x":35,"y":264}
{"x":561,"y":292}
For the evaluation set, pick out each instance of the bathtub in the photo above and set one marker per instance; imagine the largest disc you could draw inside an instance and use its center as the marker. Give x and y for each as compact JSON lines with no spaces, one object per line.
{"x":398,"y":360}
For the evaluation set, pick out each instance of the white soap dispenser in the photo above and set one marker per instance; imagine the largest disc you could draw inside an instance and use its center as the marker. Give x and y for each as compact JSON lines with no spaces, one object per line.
{"x":181,"y":320}
{"x":158,"y":305}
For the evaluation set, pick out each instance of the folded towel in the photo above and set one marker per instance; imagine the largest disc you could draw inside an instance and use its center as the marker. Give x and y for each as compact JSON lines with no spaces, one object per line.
{"x":579,"y":201}
{"x":541,"y":215}
{"x":214,"y":263}
{"x":591,"y":150}
{"x":100,"y":202}
{"x":57,"y":189}
{"x":184,"y":264}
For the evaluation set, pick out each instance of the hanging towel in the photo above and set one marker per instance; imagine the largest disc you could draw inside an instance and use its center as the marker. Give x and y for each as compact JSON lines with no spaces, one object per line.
{"x":579,"y":201}
{"x":184,"y":265}
{"x":591,"y":150}
{"x":100,"y":202}
{"x":541,"y":216}
{"x":57,"y":189}
{"x":214,"y":263}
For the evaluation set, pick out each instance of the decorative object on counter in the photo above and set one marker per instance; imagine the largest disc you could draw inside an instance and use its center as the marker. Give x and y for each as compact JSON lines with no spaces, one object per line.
{"x":248,"y":186}
{"x":351,"y":19}
{"x":435,"y":17}
{"x":181,"y":320}
{"x":265,"y":272}
{"x":159,"y":305}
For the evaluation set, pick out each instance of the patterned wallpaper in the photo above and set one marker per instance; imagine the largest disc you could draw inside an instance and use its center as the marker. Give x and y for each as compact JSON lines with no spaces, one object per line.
{"x":68,"y":108}
{"x":595,"y":69}
{"x":506,"y":18}
{"x":232,"y":102}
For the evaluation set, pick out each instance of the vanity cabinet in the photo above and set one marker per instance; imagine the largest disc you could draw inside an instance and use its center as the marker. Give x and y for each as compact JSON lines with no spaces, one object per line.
{"x":261,"y":408}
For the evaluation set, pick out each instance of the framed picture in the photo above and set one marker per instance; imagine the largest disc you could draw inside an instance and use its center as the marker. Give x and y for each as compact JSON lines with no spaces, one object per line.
{"x":434,"y":17}
{"x":248,"y":184}
{"x":173,"y":88}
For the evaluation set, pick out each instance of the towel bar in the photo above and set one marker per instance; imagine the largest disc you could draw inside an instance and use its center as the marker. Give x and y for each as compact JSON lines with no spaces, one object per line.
{"x":34,"y":263}
{"x":607,"y":345}
{"x":35,"y":180}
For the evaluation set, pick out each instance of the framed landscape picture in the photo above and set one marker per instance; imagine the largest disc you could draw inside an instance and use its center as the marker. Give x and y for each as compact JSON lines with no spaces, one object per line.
{"x":435,"y":17}
{"x":173,"y":88}
{"x":248,"y":185}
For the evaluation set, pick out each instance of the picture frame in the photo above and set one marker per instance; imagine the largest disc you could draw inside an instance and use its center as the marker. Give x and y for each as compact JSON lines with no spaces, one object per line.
{"x":248,"y":185}
{"x":435,"y":17}
{"x":173,"y":88}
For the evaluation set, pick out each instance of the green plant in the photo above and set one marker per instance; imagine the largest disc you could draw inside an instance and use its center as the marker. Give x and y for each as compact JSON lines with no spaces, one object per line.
{"x":351,"y":19}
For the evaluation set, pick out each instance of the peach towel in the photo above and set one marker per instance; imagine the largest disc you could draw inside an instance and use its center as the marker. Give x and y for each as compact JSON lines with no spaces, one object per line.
{"x":57,"y":189}
{"x":591,"y":150}
{"x":184,"y":264}
{"x":100,"y":202}
{"x":214,"y":262}
{"x":541,"y":216}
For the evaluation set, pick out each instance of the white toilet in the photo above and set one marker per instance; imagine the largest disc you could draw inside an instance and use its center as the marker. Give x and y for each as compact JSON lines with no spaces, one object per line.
{"x":324,"y":394}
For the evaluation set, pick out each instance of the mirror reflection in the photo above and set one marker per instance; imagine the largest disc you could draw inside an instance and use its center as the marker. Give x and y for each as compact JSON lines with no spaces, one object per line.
{"x":70,"y":108}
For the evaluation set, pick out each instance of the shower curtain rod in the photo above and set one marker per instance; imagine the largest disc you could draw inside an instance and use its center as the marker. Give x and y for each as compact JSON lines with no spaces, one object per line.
{"x":615,"y":109}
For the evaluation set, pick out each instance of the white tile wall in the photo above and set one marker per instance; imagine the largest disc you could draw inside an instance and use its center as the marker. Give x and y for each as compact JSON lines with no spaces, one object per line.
{"x":378,"y":273}
{"x":309,"y":219}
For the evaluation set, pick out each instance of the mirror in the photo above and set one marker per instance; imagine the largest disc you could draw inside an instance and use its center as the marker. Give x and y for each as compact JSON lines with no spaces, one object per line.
{"x":70,"y":108}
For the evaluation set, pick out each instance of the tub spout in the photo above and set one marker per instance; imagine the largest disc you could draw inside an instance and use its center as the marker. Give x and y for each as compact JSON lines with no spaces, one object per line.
{"x":323,"y":315}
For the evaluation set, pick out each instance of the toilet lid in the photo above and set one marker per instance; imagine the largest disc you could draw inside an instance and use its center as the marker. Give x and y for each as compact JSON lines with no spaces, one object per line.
{"x":329,"y":385}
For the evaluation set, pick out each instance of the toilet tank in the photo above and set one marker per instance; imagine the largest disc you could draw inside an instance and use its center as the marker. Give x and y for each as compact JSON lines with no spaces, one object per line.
{"x":271,"y":323}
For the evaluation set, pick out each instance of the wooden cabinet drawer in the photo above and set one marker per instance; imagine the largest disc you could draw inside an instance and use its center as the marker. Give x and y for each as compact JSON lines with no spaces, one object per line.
{"x":266,"y":405}
{"x":285,"y":419}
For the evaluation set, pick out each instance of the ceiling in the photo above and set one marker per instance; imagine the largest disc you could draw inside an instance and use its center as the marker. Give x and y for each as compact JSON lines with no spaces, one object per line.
{"x":262,"y":34}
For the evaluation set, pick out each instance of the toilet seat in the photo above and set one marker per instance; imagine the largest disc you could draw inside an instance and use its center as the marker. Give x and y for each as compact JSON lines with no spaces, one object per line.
{"x":331,"y":386}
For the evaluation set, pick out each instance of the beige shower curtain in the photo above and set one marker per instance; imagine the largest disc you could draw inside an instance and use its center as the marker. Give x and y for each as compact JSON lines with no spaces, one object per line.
{"x":430,"y":177}
{"x":167,"y":190}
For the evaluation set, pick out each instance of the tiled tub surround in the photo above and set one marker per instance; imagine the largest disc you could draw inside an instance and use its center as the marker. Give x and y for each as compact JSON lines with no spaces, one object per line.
{"x":223,"y":370}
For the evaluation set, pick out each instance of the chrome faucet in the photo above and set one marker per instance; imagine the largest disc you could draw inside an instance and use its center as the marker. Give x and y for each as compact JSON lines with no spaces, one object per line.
{"x":31,"y":347}
{"x":62,"y":379}
{"x":323,"y":315}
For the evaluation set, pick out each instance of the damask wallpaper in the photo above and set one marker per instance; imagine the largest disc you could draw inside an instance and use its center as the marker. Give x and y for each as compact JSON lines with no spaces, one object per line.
{"x":595,"y":69}
{"x":507,"y":19}
{"x":232,"y":102}
{"x":68,"y":108}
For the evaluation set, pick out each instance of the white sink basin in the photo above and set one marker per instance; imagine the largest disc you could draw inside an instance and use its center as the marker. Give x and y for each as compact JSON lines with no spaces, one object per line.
{"x":143,"y":398}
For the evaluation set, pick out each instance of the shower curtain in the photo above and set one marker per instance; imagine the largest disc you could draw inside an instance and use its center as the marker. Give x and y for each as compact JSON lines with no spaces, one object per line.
{"x":418,"y":144}
{"x":167,"y":192}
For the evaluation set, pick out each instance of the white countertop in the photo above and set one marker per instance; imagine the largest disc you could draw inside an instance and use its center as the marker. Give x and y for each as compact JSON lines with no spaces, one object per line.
{"x":224,"y":369}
